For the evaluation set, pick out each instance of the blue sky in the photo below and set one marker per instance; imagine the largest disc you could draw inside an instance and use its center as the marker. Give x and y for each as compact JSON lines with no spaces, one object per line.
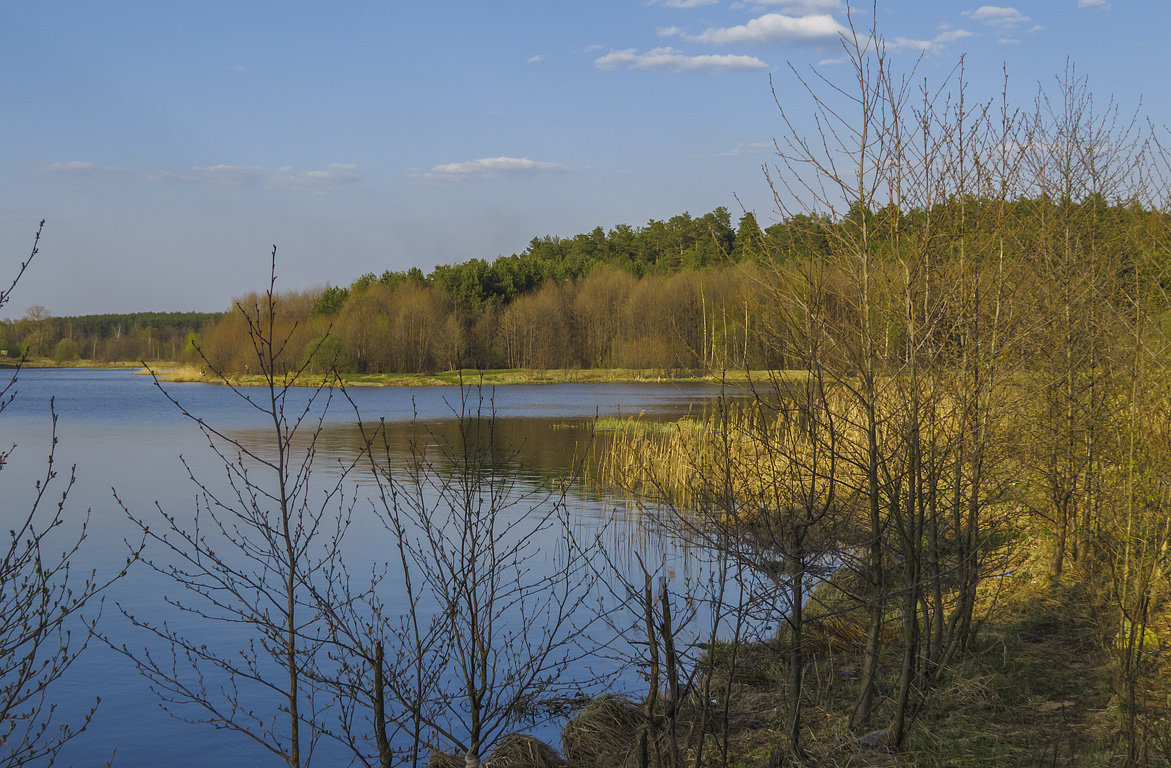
{"x":169,"y":145}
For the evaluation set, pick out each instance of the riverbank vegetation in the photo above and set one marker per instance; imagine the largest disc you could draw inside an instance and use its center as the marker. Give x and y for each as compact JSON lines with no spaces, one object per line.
{"x":977,"y":458}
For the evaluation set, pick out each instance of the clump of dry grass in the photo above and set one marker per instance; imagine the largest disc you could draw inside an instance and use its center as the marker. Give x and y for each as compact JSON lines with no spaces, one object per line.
{"x":518,"y":750}
{"x":444,"y":760}
{"x":603,"y":734}
{"x":178,"y":373}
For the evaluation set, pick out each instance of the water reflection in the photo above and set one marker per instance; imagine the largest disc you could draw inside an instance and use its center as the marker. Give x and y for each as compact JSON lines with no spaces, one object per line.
{"x":120,"y":432}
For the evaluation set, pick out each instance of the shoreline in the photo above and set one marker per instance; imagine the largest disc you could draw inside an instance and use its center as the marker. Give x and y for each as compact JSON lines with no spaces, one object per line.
{"x":494,"y":377}
{"x":174,"y":372}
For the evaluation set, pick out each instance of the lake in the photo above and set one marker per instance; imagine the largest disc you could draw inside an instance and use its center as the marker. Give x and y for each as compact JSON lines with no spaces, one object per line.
{"x":121,"y":433}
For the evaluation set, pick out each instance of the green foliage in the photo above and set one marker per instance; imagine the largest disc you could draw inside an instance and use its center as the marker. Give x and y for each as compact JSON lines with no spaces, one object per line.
{"x":193,"y":344}
{"x":106,"y":338}
{"x":331,"y":300}
{"x":661,"y":247}
{"x":66,"y":351}
{"x":326,"y":355}
{"x":105,"y":326}
{"x":749,"y":243}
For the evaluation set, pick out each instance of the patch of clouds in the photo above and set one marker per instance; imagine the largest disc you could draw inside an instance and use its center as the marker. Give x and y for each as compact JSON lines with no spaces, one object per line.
{"x":229,"y":175}
{"x":492,"y":167}
{"x":773,"y":28}
{"x":1100,"y":4}
{"x":214,"y":175}
{"x":255,"y":176}
{"x":672,"y":60}
{"x":75,"y":168}
{"x":998,"y":16}
{"x":336,"y":174}
{"x":593,"y":48}
{"x":896,"y":44}
{"x":747,"y":148}
{"x":934,"y":45}
{"x":831,"y":62}
{"x":537,"y":59}
{"x":683,"y":3}
{"x":949,"y":35}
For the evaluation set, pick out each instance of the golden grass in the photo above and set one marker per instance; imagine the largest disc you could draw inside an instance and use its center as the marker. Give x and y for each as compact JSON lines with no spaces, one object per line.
{"x":504,"y":377}
{"x":48,"y":362}
{"x":176,"y":373}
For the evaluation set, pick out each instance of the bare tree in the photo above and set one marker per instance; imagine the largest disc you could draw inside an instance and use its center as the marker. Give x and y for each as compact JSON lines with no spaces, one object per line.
{"x":247,"y":557}
{"x":44,"y":621}
{"x":908,"y":303}
{"x":489,"y":583}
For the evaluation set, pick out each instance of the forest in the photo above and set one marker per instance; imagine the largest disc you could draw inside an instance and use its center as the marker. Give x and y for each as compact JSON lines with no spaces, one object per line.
{"x":460,"y":310}
{"x":111,"y":338}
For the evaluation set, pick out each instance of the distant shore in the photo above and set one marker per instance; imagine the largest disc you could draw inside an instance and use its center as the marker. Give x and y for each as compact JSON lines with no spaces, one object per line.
{"x":490,"y":377}
{"x":171,"y":371}
{"x":13,"y":363}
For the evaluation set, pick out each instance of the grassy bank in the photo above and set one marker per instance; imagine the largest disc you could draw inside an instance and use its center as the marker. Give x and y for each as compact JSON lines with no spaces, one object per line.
{"x":48,"y":362}
{"x":1034,"y":690}
{"x":494,"y":377}
{"x":185,"y":372}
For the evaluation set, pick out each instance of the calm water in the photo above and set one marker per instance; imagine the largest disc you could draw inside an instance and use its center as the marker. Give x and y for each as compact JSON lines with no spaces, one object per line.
{"x":121,"y":433}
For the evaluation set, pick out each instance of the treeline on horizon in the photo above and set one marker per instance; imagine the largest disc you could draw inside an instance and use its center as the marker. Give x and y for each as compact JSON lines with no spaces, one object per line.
{"x":692,"y":293}
{"x":106,"y":338}
{"x":688,"y":293}
{"x":673,"y":294}
{"x":470,"y":290}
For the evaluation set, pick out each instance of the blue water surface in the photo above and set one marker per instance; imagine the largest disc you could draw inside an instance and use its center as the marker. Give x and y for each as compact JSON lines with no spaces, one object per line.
{"x":125,"y":437}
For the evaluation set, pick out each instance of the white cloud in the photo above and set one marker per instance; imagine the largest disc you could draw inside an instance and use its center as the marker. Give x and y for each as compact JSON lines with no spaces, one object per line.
{"x":537,"y":59}
{"x":491,"y":167}
{"x":228,"y":175}
{"x":254,"y":175}
{"x":214,"y":175}
{"x":771,"y":28}
{"x":683,"y":3}
{"x":75,"y":168}
{"x":593,"y":48}
{"x":997,"y":16}
{"x":747,"y":148}
{"x":933,"y":45}
{"x":831,"y":62}
{"x":896,"y":44}
{"x":672,"y":60}
{"x":951,"y":35}
{"x":316,"y":181}
{"x":670,"y":32}
{"x":1103,"y":4}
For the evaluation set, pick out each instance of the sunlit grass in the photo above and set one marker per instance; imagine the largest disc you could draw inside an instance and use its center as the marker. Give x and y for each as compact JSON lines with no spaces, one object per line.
{"x":504,"y":377}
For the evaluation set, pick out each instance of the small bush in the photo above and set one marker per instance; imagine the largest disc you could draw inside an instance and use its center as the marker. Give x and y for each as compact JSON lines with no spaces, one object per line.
{"x":520,"y":751}
{"x":65,"y":351}
{"x":603,"y":734}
